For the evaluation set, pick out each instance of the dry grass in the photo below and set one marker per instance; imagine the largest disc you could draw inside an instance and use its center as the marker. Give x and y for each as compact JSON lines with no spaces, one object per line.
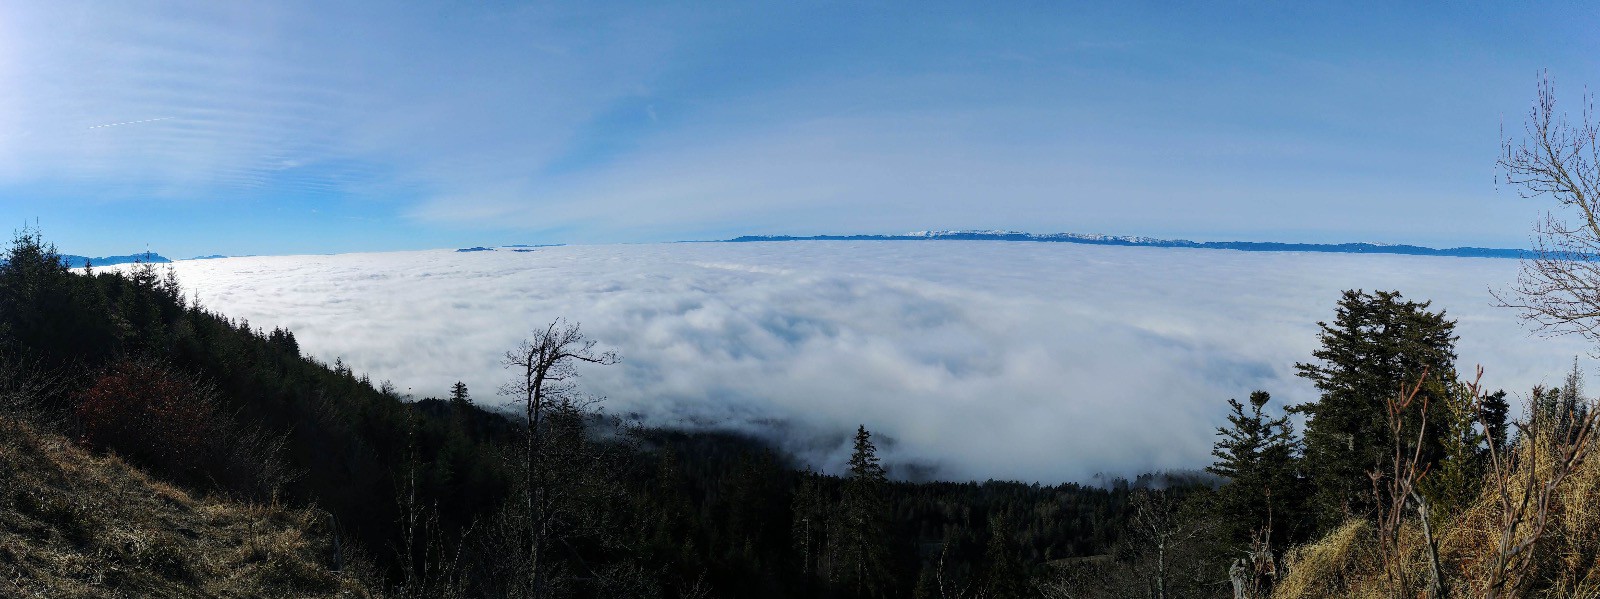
{"x":1566,"y":562}
{"x":1343,"y":564}
{"x":75,"y":524}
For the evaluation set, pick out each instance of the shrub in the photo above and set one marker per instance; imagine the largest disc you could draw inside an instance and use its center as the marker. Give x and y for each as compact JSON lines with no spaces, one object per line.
{"x":150,"y":414}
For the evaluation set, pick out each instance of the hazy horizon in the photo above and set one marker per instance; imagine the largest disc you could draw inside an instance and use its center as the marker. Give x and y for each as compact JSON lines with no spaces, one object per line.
{"x":797,"y":239}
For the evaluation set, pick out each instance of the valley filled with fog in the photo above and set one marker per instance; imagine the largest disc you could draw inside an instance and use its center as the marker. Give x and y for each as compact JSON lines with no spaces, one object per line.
{"x":1047,"y":362}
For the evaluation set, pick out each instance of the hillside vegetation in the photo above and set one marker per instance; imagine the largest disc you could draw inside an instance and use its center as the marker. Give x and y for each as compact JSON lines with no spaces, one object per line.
{"x":1559,"y":539}
{"x":77,"y":524}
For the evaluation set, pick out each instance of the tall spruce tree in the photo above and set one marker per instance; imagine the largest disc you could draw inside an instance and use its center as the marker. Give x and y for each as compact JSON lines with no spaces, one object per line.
{"x":1265,"y":495}
{"x":459,"y":394}
{"x":34,"y":288}
{"x":860,"y":551}
{"x":1378,"y":344}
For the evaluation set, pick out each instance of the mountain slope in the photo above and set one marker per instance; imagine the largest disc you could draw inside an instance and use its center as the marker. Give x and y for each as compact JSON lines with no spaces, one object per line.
{"x":74,"y":524}
{"x":82,"y":261}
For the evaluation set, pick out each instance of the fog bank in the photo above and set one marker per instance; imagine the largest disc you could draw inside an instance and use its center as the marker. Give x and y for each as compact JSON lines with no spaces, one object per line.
{"x":1046,"y":362}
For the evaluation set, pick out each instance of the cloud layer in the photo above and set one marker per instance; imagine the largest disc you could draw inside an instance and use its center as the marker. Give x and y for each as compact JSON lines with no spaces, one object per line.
{"x":1044,"y":362}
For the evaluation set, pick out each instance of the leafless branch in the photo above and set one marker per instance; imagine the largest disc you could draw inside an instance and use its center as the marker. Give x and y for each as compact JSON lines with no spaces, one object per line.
{"x":1405,"y":470}
{"x":1556,"y":290}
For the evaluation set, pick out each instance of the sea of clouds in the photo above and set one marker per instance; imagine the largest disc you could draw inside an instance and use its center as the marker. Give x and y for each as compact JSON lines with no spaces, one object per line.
{"x":970,"y":360}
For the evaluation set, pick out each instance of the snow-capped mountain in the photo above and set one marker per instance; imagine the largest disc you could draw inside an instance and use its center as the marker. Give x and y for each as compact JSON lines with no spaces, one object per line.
{"x":1128,"y":240}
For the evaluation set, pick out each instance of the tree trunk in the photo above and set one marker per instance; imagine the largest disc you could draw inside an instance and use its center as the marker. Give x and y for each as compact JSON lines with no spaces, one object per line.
{"x":1161,"y":570}
{"x":1240,"y":576}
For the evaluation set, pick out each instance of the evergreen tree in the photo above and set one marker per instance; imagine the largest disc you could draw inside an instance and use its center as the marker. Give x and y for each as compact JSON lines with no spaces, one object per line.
{"x":1560,"y":409}
{"x":1455,"y":480}
{"x":1264,"y":497}
{"x":1378,"y":345}
{"x":34,"y":290}
{"x":1565,"y":407}
{"x":860,"y":555}
{"x":459,"y":395}
{"x":1495,"y":410}
{"x":1004,"y":576}
{"x":284,"y":339}
{"x":809,"y":524}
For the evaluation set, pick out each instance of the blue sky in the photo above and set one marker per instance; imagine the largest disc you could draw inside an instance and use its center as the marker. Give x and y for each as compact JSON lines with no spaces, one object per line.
{"x":246,"y":128}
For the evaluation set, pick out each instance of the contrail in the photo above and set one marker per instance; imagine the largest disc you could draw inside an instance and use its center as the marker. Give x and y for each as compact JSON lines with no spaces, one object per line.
{"x":129,"y":123}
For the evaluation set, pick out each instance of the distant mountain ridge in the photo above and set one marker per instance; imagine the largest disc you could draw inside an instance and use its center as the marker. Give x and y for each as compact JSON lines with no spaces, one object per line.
{"x":1135,"y":241}
{"x":80,"y":261}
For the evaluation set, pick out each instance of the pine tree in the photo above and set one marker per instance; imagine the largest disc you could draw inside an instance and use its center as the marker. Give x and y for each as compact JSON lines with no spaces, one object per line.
{"x":1495,"y":410}
{"x":1378,"y":344}
{"x":34,"y":283}
{"x":1560,"y":409}
{"x":1004,"y":575}
{"x":1570,"y":406}
{"x":809,"y":525}
{"x":1456,"y":479}
{"x":284,"y":339}
{"x":1265,"y":495}
{"x":459,"y":395}
{"x":860,"y":556}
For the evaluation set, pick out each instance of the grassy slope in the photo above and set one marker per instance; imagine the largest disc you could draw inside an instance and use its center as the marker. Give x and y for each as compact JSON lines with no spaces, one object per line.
{"x":75,"y":524}
{"x":1565,"y":562}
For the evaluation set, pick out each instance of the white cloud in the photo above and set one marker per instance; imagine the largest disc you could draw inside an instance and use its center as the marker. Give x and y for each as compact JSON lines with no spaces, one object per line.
{"x":301,"y":97}
{"x":1031,"y":361}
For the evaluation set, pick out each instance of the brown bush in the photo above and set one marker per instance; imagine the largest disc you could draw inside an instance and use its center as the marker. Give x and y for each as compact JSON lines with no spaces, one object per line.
{"x":172,"y":423}
{"x":150,"y":414}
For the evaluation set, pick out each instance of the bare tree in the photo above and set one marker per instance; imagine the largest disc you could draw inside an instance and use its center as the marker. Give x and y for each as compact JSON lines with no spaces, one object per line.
{"x":1254,"y":574}
{"x":1159,"y":523}
{"x":1558,"y":289}
{"x":948,"y":589}
{"x":545,"y":384}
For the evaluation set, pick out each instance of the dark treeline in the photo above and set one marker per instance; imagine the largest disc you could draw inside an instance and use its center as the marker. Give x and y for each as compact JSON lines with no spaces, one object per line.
{"x":429,"y":494}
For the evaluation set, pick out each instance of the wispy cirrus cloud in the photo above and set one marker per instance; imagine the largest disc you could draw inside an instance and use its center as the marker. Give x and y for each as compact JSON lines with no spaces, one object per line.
{"x":627,"y":122}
